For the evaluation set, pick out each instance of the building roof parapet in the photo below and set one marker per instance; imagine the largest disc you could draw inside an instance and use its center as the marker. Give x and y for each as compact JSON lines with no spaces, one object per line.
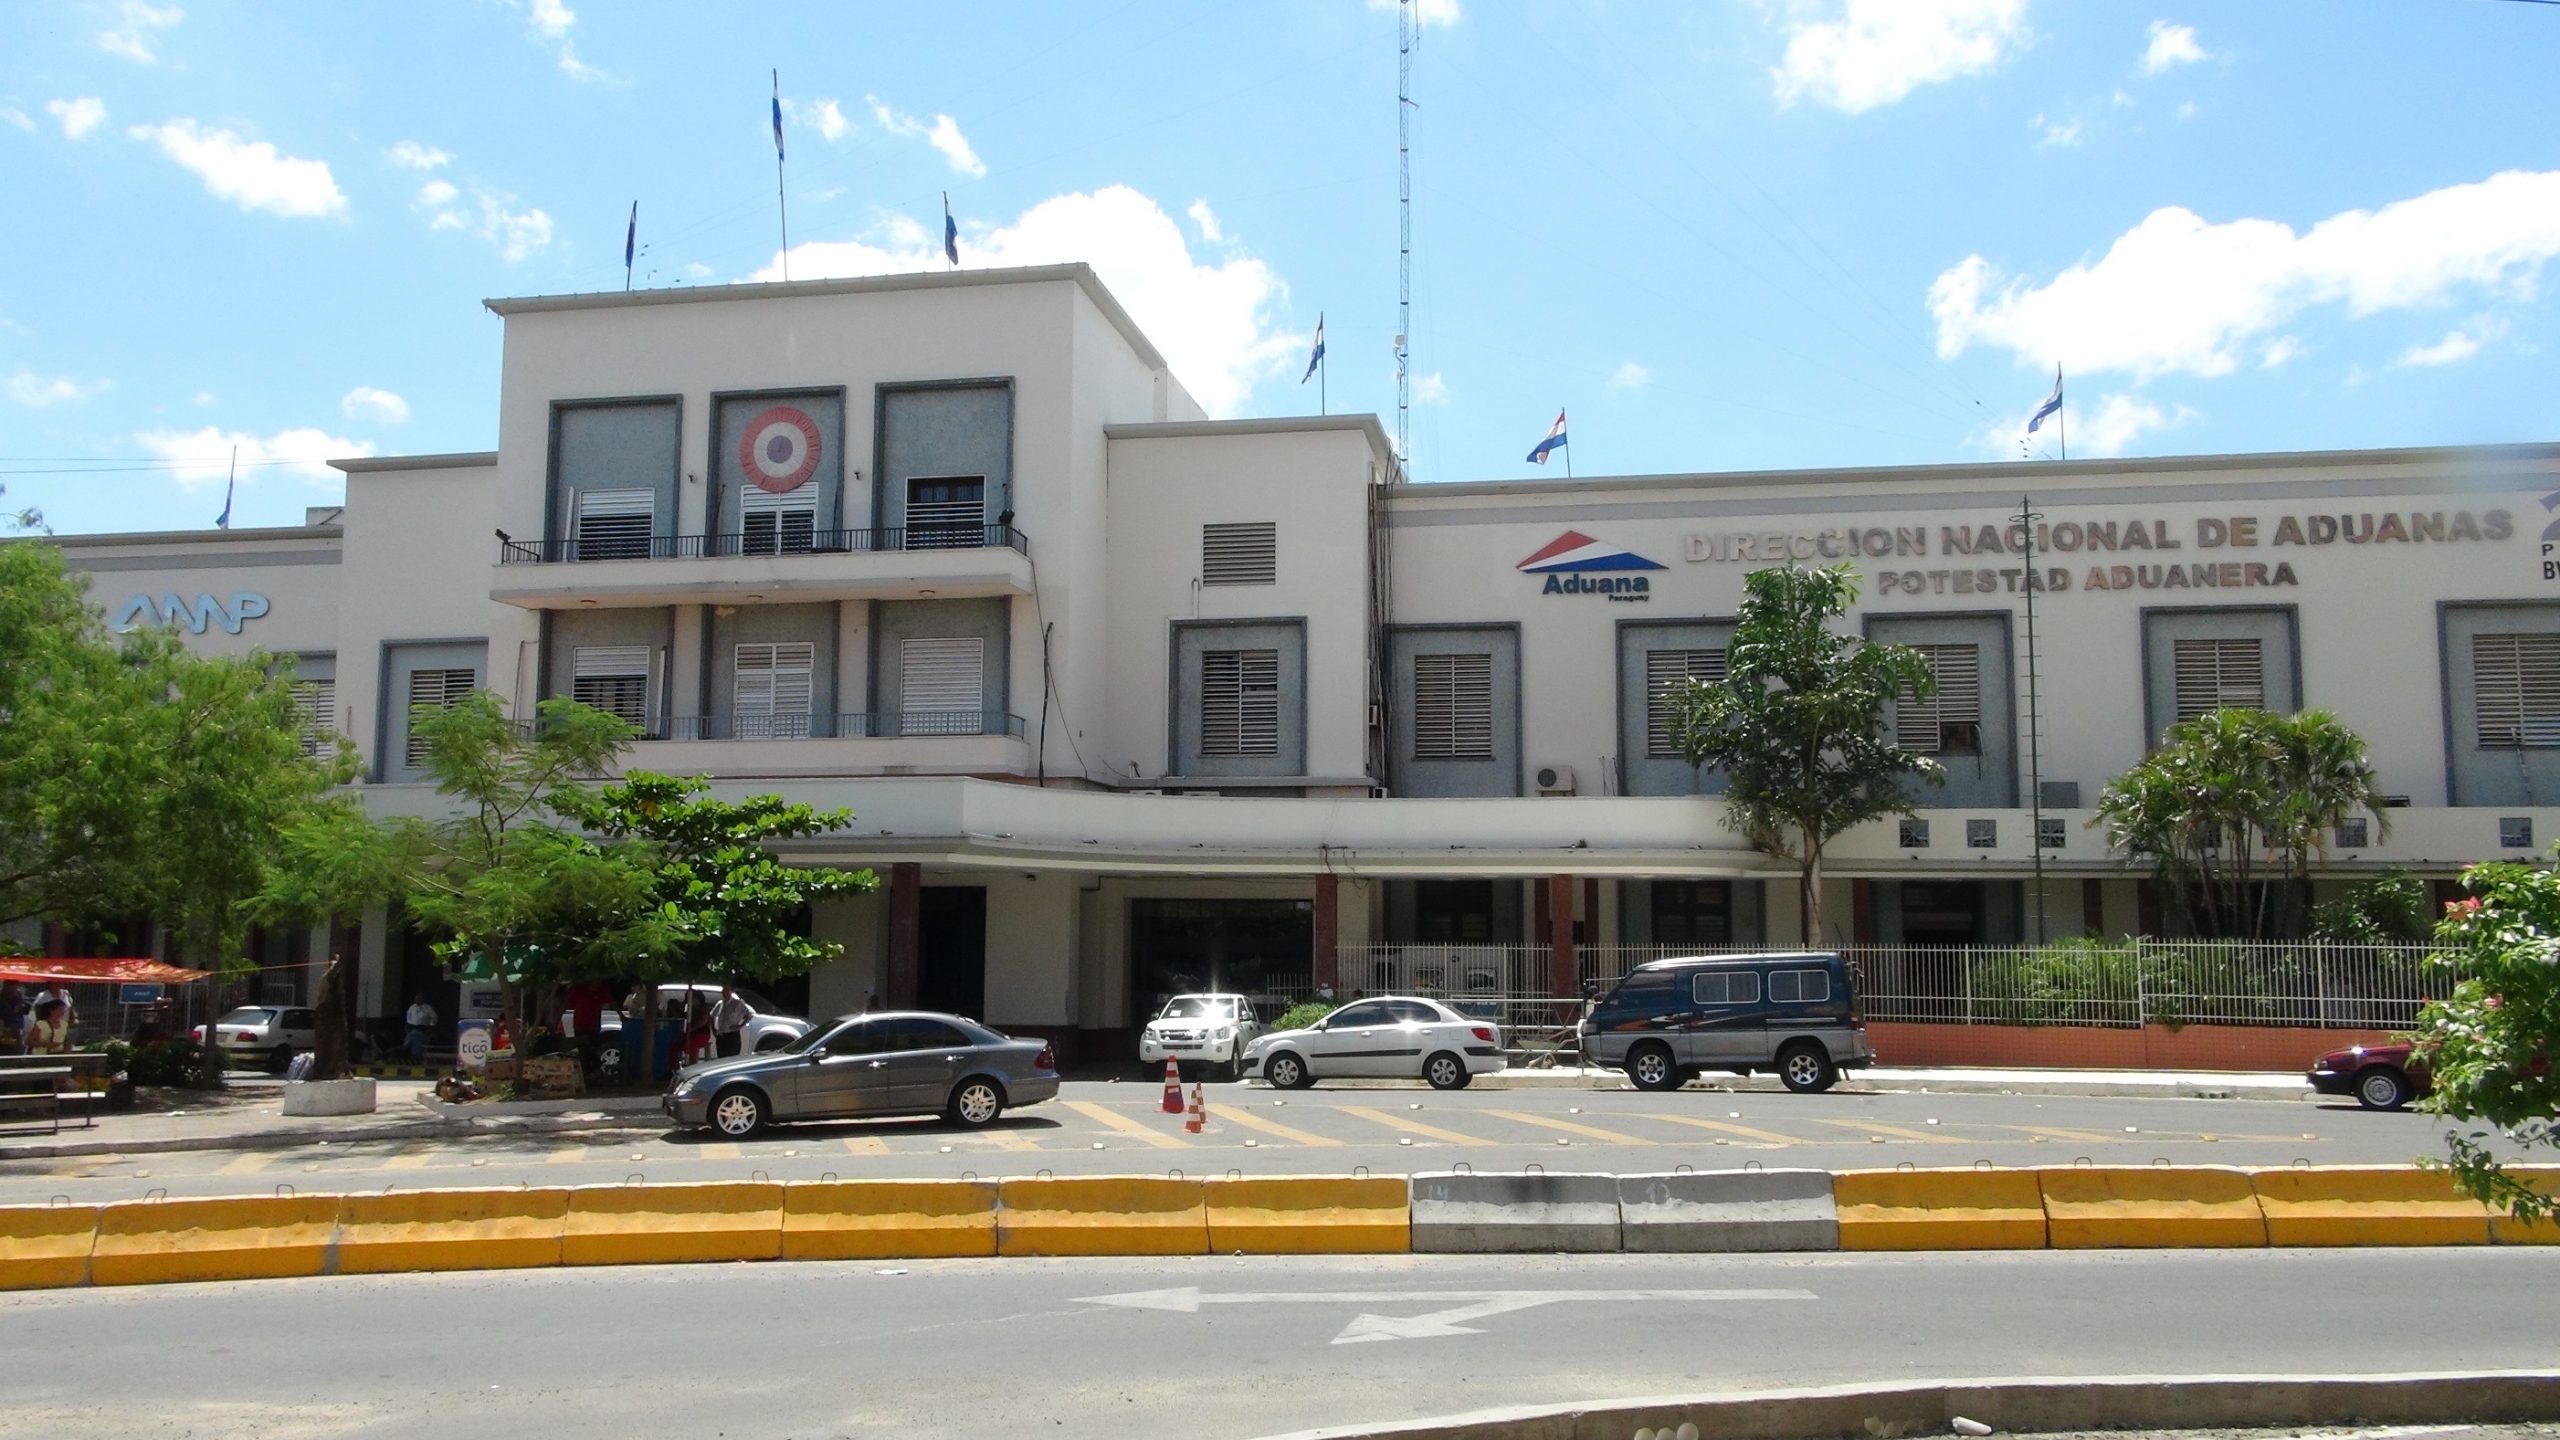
{"x":1364,"y":423}
{"x":381,"y":464}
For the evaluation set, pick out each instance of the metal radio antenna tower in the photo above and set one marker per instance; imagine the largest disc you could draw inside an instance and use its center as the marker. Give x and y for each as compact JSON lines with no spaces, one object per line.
{"x":1408,"y":35}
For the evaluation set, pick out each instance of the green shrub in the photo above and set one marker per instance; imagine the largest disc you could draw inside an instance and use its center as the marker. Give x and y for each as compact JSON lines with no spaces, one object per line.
{"x":1299,"y":1017}
{"x":161,"y":1062}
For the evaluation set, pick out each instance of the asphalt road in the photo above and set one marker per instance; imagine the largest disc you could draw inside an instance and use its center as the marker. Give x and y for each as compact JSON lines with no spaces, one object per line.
{"x":1103,"y":1128}
{"x":1204,"y":1348}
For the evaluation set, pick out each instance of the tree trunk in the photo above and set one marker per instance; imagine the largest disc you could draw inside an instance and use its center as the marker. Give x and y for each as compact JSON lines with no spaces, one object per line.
{"x":329,"y":1056}
{"x":1809,"y":897}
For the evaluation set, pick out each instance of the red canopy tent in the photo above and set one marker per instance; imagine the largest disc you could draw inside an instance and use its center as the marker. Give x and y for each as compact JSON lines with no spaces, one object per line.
{"x":97,"y":970}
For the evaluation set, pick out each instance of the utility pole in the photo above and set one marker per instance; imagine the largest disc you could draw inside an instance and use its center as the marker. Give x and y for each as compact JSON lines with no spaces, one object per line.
{"x":2027,"y":518}
{"x":1408,"y":36}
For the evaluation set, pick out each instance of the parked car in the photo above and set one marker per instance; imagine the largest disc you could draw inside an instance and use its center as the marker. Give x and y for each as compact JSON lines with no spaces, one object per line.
{"x":264,"y":1035}
{"x":2381,"y":1077}
{"x":1205,"y":1029}
{"x":909,"y":1062}
{"x":1394,"y":1037}
{"x":768,"y":1029}
{"x":1669,"y":1021}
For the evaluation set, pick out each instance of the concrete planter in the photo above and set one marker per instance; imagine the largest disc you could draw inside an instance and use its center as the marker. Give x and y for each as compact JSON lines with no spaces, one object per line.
{"x":329,"y":1097}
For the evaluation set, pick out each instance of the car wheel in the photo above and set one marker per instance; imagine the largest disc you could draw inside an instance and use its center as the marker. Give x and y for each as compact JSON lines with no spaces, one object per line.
{"x":974,"y":1102}
{"x":609,"y":1064}
{"x":280,"y":1060}
{"x":1650,"y":1067}
{"x":738,"y":1112}
{"x":1286,"y":1071}
{"x":2382,"y":1088}
{"x":1445,"y":1072}
{"x":1233,"y":1070}
{"x":1805,"y":1068}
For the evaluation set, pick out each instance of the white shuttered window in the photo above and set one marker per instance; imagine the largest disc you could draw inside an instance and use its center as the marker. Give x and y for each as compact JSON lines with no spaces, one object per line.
{"x":613,"y":678}
{"x":1453,"y":707}
{"x":317,"y":703}
{"x":614,"y":524}
{"x":438,"y":689}
{"x":1244,"y":553}
{"x":1665,"y":671}
{"x":2223,"y":674}
{"x":942,"y":686}
{"x":2515,"y":686}
{"x":770,"y":690}
{"x":1949,"y":722}
{"x":773,"y":524}
{"x":1240,"y":702}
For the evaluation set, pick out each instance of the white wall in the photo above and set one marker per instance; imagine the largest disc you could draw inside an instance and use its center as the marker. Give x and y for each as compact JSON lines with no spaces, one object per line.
{"x":1032,"y":943}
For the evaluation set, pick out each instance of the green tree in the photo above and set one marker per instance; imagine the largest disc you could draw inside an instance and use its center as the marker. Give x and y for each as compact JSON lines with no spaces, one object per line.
{"x":331,"y":864}
{"x":2388,"y":909}
{"x":2232,"y":810}
{"x":2490,"y":1043}
{"x":1797,"y":724}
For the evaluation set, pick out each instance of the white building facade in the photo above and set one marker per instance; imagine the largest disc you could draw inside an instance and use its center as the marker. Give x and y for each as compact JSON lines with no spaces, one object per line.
{"x":1125,"y":700}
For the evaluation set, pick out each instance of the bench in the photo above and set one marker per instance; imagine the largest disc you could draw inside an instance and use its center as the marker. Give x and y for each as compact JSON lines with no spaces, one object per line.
{"x":33,"y":1087}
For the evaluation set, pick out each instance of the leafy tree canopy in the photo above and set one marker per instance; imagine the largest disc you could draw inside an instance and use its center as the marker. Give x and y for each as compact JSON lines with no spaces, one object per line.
{"x":2489,"y":1045}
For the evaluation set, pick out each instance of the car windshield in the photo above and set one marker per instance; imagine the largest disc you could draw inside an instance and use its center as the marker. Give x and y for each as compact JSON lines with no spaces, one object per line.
{"x":1198,"y":1007}
{"x":812,"y":1038}
{"x":247,"y":1015}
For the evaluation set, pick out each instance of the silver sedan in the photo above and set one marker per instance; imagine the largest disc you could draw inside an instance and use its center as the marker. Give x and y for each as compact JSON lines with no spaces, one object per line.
{"x":897,"y":1063}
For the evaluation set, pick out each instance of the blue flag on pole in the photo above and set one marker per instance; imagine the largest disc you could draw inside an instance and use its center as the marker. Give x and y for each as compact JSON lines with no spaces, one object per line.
{"x":777,"y":114}
{"x":630,"y":237}
{"x":950,"y":231}
{"x":2052,"y":403}
{"x":1555,"y":441}
{"x":223,"y":520}
{"x":1316,"y":358}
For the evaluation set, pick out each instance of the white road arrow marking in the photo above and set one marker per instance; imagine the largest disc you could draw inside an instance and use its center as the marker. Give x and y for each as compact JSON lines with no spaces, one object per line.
{"x":1471,"y":1305}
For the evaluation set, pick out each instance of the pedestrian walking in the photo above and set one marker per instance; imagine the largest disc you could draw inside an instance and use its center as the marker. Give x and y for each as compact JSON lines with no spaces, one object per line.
{"x":697,"y":1028}
{"x":728,"y":1022}
{"x":421,"y":1020}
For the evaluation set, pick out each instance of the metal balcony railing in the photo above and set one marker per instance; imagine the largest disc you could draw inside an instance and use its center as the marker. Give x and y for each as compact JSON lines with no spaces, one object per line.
{"x":571,"y":549}
{"x":882,"y":725}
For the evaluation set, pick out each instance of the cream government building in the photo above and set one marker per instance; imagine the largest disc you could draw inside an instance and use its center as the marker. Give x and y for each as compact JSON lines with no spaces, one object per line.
{"x":1125,"y":700}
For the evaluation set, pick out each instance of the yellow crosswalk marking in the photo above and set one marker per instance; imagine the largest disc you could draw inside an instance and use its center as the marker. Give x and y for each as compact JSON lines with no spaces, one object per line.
{"x":413,"y":1157}
{"x":566,"y":1155}
{"x":1251,"y":1121}
{"x":1414,"y":1127}
{"x":1127,"y":1126}
{"x":1868,"y":1127}
{"x":717,"y":1150}
{"x":865,"y":1145}
{"x":246,"y":1165}
{"x":1765,"y":1137}
{"x":2085,"y":1137}
{"x":1006,"y":1140}
{"x":1588,"y":1132}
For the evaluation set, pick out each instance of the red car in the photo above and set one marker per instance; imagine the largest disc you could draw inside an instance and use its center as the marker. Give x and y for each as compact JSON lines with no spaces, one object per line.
{"x":2381,"y":1077}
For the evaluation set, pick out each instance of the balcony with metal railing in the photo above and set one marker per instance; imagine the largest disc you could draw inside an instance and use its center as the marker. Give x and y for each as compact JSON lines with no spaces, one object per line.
{"x":896,"y":562}
{"x":896,"y":742}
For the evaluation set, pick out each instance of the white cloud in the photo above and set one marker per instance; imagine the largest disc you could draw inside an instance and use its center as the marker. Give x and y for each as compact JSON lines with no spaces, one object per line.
{"x":410,"y":155}
{"x":2171,"y":46}
{"x":1630,"y":376}
{"x":942,"y":134}
{"x":1431,"y":389}
{"x":38,"y":391}
{"x":203,"y":397}
{"x":436,"y":194}
{"x":1879,"y":51}
{"x":251,"y":175}
{"x":2186,"y":110}
{"x":550,"y":18}
{"x":78,"y":117}
{"x":550,"y":21}
{"x":2058,"y":135}
{"x":488,"y":214}
{"x":2119,"y":420}
{"x":1212,"y":321}
{"x":826,"y":117}
{"x":11,"y":114}
{"x":138,"y":30}
{"x":2280,"y":350}
{"x":1207,"y":219}
{"x":696,"y":270}
{"x":2453,"y":349}
{"x":203,"y":457}
{"x":1426,"y":13}
{"x":380,"y":406}
{"x":2176,"y":294}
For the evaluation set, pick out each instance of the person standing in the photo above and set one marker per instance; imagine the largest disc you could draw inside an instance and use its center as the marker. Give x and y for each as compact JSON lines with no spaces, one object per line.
{"x":421,"y":1020}
{"x":49,"y":1033}
{"x":59,"y":992}
{"x":728,"y":1023}
{"x":15,"y":1010}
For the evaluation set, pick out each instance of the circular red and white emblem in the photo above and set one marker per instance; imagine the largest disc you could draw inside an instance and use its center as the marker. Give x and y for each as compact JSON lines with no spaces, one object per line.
{"x":780,"y":450}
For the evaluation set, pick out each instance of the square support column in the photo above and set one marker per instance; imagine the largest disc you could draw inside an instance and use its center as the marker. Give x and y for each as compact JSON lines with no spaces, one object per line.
{"x":906,"y":904}
{"x":1564,"y":973}
{"x":1327,"y":960}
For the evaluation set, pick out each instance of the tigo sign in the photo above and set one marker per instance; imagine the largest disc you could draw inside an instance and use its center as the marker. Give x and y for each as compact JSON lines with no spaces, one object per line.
{"x":1575,"y":564}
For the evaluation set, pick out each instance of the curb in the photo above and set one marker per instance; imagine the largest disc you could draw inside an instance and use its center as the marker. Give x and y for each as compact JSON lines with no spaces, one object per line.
{"x":2239,"y":1088}
{"x":421,"y":1129}
{"x":2148,"y":1402}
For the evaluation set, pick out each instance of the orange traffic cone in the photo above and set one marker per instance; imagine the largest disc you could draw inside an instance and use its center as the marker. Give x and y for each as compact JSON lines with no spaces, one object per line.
{"x":1199,"y":1114}
{"x":1172,"y":1087}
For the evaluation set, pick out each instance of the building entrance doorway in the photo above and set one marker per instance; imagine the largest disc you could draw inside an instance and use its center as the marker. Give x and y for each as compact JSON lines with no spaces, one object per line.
{"x":1256,"y":947}
{"x":951,"y":950}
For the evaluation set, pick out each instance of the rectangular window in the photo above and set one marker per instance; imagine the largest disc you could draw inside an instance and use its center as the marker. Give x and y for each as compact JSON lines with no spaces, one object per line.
{"x":1453,"y":912}
{"x":2352,"y":833}
{"x":1453,"y":707}
{"x":613,"y":678}
{"x":1244,"y":553}
{"x":946,"y":512}
{"x":1982,"y":834}
{"x":770,"y":690}
{"x":2051,"y":833}
{"x":614,"y":524}
{"x":2515,"y":687}
{"x":2515,"y":832}
{"x":771,"y":524}
{"x":1240,"y":702}
{"x":1665,"y":671}
{"x":437,"y":689}
{"x":1950,"y":721}
{"x":1725,"y":987}
{"x":1915,"y":833}
{"x":942,"y":686}
{"x":1799,"y":987}
{"x":2223,"y":674}
{"x":1692,"y":912}
{"x":317,"y":703}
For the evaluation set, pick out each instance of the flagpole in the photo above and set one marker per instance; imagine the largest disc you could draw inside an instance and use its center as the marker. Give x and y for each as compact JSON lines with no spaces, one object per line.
{"x":780,"y":196}
{"x":2062,"y":414}
{"x":1323,"y":405}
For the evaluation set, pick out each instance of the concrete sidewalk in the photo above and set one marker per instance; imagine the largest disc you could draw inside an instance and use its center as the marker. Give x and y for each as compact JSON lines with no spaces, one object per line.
{"x":1957,"y":1080}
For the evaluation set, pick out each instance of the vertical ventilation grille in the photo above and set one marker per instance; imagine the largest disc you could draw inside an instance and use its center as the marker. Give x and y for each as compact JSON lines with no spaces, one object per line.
{"x":2515,"y":683}
{"x":438,"y":689}
{"x":942,"y":686}
{"x":1665,"y":671}
{"x":947,"y":513}
{"x":769,"y":695}
{"x":1240,"y":702}
{"x":1949,"y":722}
{"x":1453,"y":707}
{"x":1243,"y":553}
{"x":2219,"y":675}
{"x":614,"y":524}
{"x":316,"y":701}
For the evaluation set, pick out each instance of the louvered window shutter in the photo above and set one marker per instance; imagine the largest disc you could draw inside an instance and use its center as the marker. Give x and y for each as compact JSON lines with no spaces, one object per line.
{"x":942,"y":686}
{"x":613,"y":678}
{"x":770,"y":690}
{"x":1245,"y":553}
{"x":1240,"y":702}
{"x":1453,"y":707}
{"x":1950,"y":721}
{"x":317,"y":703}
{"x":2515,"y":684}
{"x":614,"y":524}
{"x":948,"y":513}
{"x":1665,"y":671}
{"x":437,"y":688}
{"x":2219,"y":674}
{"x":771,"y":524}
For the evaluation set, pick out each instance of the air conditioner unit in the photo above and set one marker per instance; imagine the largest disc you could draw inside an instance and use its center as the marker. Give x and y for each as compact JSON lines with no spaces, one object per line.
{"x":1554,"y":779}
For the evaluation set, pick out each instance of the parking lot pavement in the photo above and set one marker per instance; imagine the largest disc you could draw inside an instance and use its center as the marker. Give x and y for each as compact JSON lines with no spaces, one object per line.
{"x":1101,"y":1127}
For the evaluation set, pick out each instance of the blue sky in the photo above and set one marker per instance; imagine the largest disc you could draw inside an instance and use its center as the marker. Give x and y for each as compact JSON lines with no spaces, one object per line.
{"x":1733,"y":235}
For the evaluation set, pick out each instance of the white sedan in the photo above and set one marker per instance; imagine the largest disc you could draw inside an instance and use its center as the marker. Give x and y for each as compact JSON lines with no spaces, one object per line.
{"x":1395,"y":1037}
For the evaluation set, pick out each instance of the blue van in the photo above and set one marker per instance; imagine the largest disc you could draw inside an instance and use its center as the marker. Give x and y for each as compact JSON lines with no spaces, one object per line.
{"x":1669,"y":1021}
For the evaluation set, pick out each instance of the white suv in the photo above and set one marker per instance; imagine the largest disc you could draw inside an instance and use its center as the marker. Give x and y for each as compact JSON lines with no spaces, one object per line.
{"x":1201,"y":1030}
